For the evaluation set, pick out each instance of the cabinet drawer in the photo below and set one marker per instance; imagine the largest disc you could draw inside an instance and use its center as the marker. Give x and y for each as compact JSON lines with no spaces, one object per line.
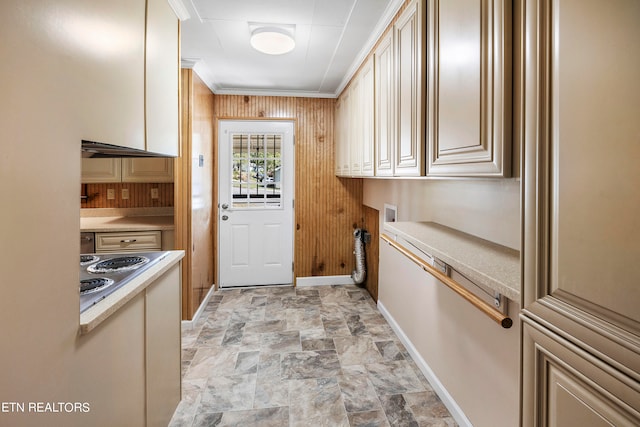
{"x":128,"y":242}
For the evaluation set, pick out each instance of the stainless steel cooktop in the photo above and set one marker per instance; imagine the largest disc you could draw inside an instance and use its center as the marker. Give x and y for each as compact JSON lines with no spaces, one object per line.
{"x":103,"y":274}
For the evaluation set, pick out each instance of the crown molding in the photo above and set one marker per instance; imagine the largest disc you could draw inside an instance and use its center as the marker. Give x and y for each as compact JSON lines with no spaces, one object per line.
{"x":390,"y":12}
{"x":179,"y":9}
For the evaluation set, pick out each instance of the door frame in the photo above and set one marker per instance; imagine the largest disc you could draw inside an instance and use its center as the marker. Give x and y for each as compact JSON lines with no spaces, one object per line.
{"x":216,"y":185}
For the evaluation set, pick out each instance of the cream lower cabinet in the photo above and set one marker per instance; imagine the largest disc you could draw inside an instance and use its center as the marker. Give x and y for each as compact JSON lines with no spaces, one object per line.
{"x":110,"y":370}
{"x":470,"y":88}
{"x":132,"y":241}
{"x":135,"y":241}
{"x":127,"y":170}
{"x":581,"y":299}
{"x":129,"y":366}
{"x":163,"y":351}
{"x":574,"y":388}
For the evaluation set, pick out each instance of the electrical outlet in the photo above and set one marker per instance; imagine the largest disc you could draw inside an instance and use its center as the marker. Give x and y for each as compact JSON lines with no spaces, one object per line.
{"x":125,"y":193}
{"x":111,"y":194}
{"x":154,"y":193}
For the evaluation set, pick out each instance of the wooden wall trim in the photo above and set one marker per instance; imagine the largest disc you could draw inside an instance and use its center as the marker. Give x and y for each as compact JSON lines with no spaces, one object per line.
{"x":195,"y":231}
{"x":182,"y":179}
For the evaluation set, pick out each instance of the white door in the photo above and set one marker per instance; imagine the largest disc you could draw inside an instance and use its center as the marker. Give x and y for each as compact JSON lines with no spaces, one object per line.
{"x":255,"y":187}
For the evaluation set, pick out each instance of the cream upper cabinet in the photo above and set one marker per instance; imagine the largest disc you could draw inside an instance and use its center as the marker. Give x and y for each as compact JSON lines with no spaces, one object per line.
{"x":581,"y":276}
{"x":101,"y":170}
{"x":367,"y":113}
{"x":470,"y":88}
{"x":408,"y":37}
{"x":384,"y":107}
{"x":96,"y":170}
{"x":399,"y":96}
{"x":110,"y":76}
{"x":131,"y":83}
{"x":339,"y":135}
{"x":343,"y":136}
{"x":147,"y":170}
{"x":355,"y":127}
{"x":161,"y":78}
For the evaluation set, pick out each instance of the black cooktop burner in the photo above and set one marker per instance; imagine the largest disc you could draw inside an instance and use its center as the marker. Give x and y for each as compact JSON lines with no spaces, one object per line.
{"x":88,"y":286}
{"x":88,"y":259}
{"x":118,"y":264}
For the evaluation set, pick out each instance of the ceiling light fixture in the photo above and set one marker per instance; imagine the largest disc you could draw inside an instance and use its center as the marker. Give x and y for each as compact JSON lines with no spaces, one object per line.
{"x":272,"y":40}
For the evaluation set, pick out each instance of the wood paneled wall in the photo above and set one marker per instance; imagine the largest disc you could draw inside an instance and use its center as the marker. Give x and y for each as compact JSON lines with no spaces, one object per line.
{"x":195,"y":222}
{"x":372,"y":225}
{"x":327,"y":208}
{"x":139,"y":195}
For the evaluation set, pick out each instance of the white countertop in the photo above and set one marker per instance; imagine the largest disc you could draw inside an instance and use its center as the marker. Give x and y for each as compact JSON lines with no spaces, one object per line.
{"x":126,"y":223}
{"x":481,"y":261}
{"x":98,"y":313}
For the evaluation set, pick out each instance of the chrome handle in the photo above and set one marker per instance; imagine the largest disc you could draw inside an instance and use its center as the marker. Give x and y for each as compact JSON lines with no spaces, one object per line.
{"x":129,"y":241}
{"x":86,"y":239}
{"x":225,"y":206}
{"x":225,"y":217}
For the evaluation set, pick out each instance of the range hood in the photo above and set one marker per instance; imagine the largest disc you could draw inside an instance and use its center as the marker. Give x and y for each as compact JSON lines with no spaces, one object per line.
{"x":92,"y":149}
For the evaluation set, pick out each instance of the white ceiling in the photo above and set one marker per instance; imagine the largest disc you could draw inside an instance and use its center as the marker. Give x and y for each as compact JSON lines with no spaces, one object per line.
{"x":332,"y":38}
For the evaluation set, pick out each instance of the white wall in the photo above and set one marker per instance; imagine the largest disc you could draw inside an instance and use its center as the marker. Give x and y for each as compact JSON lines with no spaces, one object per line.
{"x":488,"y":208}
{"x":475,"y":360}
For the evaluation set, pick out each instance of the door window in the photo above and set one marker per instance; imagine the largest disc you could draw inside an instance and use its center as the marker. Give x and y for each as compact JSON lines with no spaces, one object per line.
{"x":256,"y":171}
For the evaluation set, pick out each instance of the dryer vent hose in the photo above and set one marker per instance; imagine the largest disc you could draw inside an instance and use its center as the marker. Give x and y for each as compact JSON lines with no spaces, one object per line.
{"x":359,"y":273}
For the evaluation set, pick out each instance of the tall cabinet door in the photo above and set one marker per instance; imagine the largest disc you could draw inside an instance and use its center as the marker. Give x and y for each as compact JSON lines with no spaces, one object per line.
{"x":408,"y":40}
{"x":345,"y":145}
{"x":581,"y":308}
{"x":355,"y":127}
{"x":161,"y":78}
{"x":339,"y":136}
{"x":384,"y":106}
{"x":367,"y":102}
{"x":109,"y":61}
{"x":470,"y":87}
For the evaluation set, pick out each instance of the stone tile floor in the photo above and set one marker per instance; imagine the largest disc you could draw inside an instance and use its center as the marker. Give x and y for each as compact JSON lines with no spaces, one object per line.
{"x":312,"y":356}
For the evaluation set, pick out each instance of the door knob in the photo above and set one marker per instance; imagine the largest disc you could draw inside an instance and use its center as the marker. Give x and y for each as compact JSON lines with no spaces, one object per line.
{"x":225,"y":217}
{"x":225,"y":206}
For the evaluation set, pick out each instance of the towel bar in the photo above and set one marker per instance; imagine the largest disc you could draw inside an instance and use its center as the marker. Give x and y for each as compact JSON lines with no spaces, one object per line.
{"x":492,"y":312}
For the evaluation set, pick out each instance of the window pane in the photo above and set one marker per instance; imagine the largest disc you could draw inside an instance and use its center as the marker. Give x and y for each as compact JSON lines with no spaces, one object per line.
{"x":256,"y":171}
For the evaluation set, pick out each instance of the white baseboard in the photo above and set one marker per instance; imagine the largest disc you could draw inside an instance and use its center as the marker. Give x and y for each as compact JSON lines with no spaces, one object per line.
{"x":438,"y":387}
{"x":188,"y":324}
{"x":323,"y":280}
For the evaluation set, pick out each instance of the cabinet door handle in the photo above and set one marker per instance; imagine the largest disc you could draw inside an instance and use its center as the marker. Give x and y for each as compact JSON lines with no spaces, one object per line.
{"x":129,"y":241}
